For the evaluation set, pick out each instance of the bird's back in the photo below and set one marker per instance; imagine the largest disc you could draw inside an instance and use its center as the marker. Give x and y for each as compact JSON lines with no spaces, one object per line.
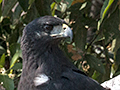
{"x":69,"y":79}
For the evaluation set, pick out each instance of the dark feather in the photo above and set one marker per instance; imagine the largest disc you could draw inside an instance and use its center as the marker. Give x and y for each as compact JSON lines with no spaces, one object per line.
{"x":42,"y":55}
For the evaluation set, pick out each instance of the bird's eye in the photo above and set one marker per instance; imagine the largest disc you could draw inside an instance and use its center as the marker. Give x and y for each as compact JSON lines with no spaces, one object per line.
{"x":48,"y":28}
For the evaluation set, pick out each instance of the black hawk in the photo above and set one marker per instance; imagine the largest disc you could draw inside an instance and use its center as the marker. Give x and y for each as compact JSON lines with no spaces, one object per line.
{"x":45,"y":67}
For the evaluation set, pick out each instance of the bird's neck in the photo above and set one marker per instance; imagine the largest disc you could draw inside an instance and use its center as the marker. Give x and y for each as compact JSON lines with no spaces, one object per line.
{"x":48,"y":57}
{"x":42,"y":52}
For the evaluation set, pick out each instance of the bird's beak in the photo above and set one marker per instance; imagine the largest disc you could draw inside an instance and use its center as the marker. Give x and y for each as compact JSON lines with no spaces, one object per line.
{"x":67,"y":31}
{"x":64,"y":31}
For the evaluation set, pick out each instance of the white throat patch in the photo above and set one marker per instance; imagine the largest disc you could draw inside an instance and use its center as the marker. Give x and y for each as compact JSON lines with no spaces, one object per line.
{"x":40,"y":79}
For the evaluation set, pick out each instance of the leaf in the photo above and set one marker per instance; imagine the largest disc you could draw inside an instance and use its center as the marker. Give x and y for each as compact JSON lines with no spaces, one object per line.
{"x":0,"y":11}
{"x":117,"y":43}
{"x":95,"y":63}
{"x":58,"y":1}
{"x":8,"y":83}
{"x":98,"y":77}
{"x":24,"y":4}
{"x":80,"y":33}
{"x":14,"y":47}
{"x":2,"y":60}
{"x":117,"y":60}
{"x":43,"y":7}
{"x":80,"y":36}
{"x":81,"y":19}
{"x":32,"y":13}
{"x":53,"y":8}
{"x":118,"y":71}
{"x":114,"y":68}
{"x":17,"y":66}
{"x":2,"y":50}
{"x":13,"y":37}
{"x":110,"y":26}
{"x":31,"y":1}
{"x":7,"y":6}
{"x":17,"y":14}
{"x":115,"y":47}
{"x":75,"y":11}
{"x":68,"y":2}
{"x":105,"y":8}
{"x":1,"y":1}
{"x":14,"y":58}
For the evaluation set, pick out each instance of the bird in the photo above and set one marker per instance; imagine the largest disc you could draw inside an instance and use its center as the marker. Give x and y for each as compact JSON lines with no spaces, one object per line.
{"x":45,"y":66}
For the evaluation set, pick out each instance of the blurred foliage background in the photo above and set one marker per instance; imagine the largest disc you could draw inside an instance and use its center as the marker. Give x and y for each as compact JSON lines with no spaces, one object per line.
{"x":95,"y":48}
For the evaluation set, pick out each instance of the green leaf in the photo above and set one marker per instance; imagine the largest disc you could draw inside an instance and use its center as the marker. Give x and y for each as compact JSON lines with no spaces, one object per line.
{"x":118,"y":71}
{"x":31,"y":1}
{"x":113,"y":69}
{"x":80,"y":33}
{"x":0,"y":10}
{"x":2,"y":60}
{"x":80,"y":36}
{"x":8,"y":83}
{"x":43,"y":7}
{"x":110,"y":26}
{"x":58,"y":1}
{"x":53,"y":8}
{"x":17,"y":66}
{"x":8,"y":5}
{"x":1,"y":1}
{"x":69,"y":2}
{"x":105,"y":8}
{"x":14,"y":58}
{"x":32,"y":13}
{"x":14,"y":47}
{"x":117,"y":43}
{"x":24,"y":4}
{"x":95,"y":63}
{"x":81,"y":19}
{"x":98,"y":77}
{"x":2,"y":50}
{"x":75,"y":11}
{"x":13,"y":37}
{"x":118,"y":57}
{"x":17,"y":14}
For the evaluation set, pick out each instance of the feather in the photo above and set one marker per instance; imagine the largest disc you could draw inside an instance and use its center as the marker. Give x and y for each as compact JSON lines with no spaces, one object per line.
{"x":45,"y":67}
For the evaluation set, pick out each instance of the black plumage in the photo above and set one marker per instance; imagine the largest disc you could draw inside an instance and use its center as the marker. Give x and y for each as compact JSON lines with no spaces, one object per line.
{"x":45,"y":67}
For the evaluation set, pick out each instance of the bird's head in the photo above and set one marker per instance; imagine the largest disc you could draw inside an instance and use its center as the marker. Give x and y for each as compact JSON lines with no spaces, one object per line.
{"x":47,"y":29}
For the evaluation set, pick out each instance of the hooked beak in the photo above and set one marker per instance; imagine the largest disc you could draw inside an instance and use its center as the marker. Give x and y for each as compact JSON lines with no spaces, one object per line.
{"x":63,"y":31}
